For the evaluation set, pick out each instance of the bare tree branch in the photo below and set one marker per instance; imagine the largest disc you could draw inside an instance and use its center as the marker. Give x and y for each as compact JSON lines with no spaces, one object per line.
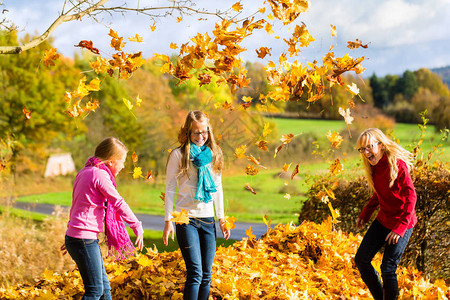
{"x":95,"y":9}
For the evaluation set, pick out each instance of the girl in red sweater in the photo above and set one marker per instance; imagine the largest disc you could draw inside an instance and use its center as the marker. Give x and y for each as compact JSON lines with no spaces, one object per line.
{"x":387,"y":166}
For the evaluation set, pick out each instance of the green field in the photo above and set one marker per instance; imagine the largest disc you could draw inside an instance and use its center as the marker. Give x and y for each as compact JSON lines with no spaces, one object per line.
{"x":271,"y":189}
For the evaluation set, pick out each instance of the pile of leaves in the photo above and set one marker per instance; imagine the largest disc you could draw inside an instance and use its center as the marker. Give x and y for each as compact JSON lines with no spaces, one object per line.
{"x":288,"y":262}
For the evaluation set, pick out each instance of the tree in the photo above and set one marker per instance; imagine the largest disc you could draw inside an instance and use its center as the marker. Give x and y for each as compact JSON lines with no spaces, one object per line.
{"x":407,"y":84}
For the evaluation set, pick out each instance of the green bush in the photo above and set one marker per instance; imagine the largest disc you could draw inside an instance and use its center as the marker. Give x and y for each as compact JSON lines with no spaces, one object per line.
{"x":428,"y":246}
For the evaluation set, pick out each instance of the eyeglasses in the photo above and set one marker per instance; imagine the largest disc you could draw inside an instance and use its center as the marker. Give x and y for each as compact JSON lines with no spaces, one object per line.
{"x":368,"y":147}
{"x":204,"y":133}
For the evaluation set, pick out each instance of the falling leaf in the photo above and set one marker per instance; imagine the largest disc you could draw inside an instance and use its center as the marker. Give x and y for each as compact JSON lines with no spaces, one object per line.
{"x":286,"y":138}
{"x":286,"y":167}
{"x":346,"y":114}
{"x":263,"y":52}
{"x":237,"y":7}
{"x":240,"y":152}
{"x":333,"y":30}
{"x":116,"y":42}
{"x":2,"y":167}
{"x":295,"y":172}
{"x":88,"y":45}
{"x":137,"y":172}
{"x":173,"y":46}
{"x":26,"y":113}
{"x":266,"y":130}
{"x":128,"y":103}
{"x":262,"y":144}
{"x":267,"y":221}
{"x":247,"y":99}
{"x":134,"y":157}
{"x":262,"y":10}
{"x":356,"y":44}
{"x":137,"y":38}
{"x":335,"y":139}
{"x":180,"y":217}
{"x":336,"y":167}
{"x":149,"y":175}
{"x":153,"y":27}
{"x":353,"y":89}
{"x":138,"y":101}
{"x":269,"y":29}
{"x":229,"y":222}
{"x":179,"y":19}
{"x":50,"y":56}
{"x":254,"y":160}
{"x":287,"y":196}
{"x":249,"y":233}
{"x":248,"y":187}
{"x":334,"y":212}
{"x":163,"y":196}
{"x":278,"y":150}
{"x":251,"y":170}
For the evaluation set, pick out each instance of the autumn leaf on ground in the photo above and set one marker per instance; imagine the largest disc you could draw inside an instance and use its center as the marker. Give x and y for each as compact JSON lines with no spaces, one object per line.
{"x":163,"y":196}
{"x":240,"y":152}
{"x":248,"y":187}
{"x":229,"y":222}
{"x":356,"y":44}
{"x":262,"y":144}
{"x":88,"y":45}
{"x":27,"y":113}
{"x":353,"y":89}
{"x":134,"y":156}
{"x":144,"y":261}
{"x":263,"y":52}
{"x":335,"y":139}
{"x":295,"y":172}
{"x":137,"y":38}
{"x":237,"y":7}
{"x":336,"y":167}
{"x":251,"y":170}
{"x":333,"y":30}
{"x":49,"y":56}
{"x":286,"y":167}
{"x":137,"y":172}
{"x":180,"y":217}
{"x":249,"y":233}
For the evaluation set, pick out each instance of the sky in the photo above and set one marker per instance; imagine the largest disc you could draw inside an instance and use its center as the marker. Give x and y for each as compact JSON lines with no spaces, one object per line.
{"x":401,"y":34}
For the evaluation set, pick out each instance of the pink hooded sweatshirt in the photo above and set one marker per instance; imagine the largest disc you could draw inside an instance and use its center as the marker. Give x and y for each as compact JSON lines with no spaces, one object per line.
{"x":92,"y":188}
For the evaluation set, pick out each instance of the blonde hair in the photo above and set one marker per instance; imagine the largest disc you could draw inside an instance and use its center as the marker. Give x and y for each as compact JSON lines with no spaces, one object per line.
{"x":184,"y":140}
{"x":392,"y":150}
{"x":110,"y":149}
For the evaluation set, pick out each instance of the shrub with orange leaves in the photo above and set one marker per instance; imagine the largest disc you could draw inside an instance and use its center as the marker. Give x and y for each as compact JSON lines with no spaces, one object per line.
{"x":288,"y":262}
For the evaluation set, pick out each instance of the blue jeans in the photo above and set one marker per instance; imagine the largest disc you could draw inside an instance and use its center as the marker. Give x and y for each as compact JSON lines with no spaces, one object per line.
{"x":197,"y":241}
{"x":370,"y":245}
{"x":86,"y":254}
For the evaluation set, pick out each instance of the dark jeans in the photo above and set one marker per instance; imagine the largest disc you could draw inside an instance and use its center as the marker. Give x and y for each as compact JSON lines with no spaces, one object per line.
{"x":370,"y":245}
{"x":87,"y":256}
{"x":197,"y":241}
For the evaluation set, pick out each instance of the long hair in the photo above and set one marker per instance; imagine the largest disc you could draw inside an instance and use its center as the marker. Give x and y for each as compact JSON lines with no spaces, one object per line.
{"x":110,"y":149}
{"x":392,"y":150}
{"x":184,"y":140}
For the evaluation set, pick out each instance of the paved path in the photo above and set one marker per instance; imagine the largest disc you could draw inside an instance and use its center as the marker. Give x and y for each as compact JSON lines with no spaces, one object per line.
{"x":151,"y":221}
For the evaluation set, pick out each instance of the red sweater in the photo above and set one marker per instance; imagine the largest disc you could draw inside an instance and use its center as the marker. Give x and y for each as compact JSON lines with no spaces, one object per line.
{"x":396,"y":203}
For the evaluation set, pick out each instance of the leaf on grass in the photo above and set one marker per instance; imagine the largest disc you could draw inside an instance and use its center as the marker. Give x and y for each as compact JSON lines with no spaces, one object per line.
{"x":180,"y":217}
{"x":287,"y":196}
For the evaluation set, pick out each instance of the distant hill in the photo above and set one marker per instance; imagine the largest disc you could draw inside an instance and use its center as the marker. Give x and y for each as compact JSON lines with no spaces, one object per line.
{"x":444,"y":73}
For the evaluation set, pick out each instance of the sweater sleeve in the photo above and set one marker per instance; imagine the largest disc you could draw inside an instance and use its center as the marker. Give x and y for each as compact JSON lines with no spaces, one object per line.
{"x":173,"y":166}
{"x":370,"y":207}
{"x":218,"y":199}
{"x":408,"y":194}
{"x":108,"y":190}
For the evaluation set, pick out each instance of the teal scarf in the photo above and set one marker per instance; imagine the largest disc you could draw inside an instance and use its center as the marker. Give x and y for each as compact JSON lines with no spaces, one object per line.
{"x":201,"y":157}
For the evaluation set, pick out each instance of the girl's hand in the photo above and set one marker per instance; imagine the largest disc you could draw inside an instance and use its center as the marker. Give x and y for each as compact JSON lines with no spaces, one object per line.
{"x":392,"y":238}
{"x":225,"y":231}
{"x":360,"y":223}
{"x":139,"y":241}
{"x":168,"y":229}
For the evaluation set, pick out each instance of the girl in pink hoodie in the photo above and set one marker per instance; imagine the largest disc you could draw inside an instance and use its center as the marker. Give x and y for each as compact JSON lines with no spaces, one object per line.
{"x":95,"y":201}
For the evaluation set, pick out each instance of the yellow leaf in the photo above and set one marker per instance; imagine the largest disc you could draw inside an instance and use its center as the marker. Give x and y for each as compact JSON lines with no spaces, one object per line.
{"x":353,"y":89}
{"x":240,"y":152}
{"x":173,"y":46}
{"x":237,"y":7}
{"x":137,"y":172}
{"x":262,"y":10}
{"x":153,"y":27}
{"x":247,"y":99}
{"x":49,"y":56}
{"x":335,"y":139}
{"x":333,"y":30}
{"x":286,"y":167}
{"x":336,"y":167}
{"x":229,"y":222}
{"x":271,"y":17}
{"x":137,"y":38}
{"x":266,"y":130}
{"x":138,"y":101}
{"x":269,"y":29}
{"x":249,"y":233}
{"x":180,"y":217}
{"x":334,"y":212}
{"x":128,"y":103}
{"x":179,"y":19}
{"x":251,"y":170}
{"x":144,"y":261}
{"x":94,"y":85}
{"x":267,"y":220}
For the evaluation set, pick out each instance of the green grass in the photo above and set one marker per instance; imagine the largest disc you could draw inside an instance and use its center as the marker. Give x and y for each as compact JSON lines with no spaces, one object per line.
{"x":318,"y":127}
{"x":24,"y":214}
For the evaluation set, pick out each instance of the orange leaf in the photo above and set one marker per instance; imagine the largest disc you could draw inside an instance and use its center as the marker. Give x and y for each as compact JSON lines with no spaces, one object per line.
{"x":49,"y":56}
{"x":262,"y":144}
{"x":295,"y":172}
{"x":229,"y":222}
{"x":173,"y":46}
{"x":180,"y":217}
{"x":163,"y":196}
{"x":286,"y":138}
{"x":88,"y":45}
{"x":335,"y":139}
{"x":134,"y":157}
{"x":248,"y":187}
{"x":249,"y":233}
{"x":179,"y":19}
{"x":237,"y":7}
{"x":267,"y":221}
{"x":254,"y":160}
{"x":263,"y":51}
{"x":356,"y":44}
{"x":333,"y":30}
{"x":137,"y":38}
{"x":286,"y":167}
{"x":240,"y":152}
{"x":278,"y":150}
{"x":153,"y":27}
{"x":336,"y":167}
{"x":26,"y":113}
{"x":251,"y":170}
{"x":149,"y":175}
